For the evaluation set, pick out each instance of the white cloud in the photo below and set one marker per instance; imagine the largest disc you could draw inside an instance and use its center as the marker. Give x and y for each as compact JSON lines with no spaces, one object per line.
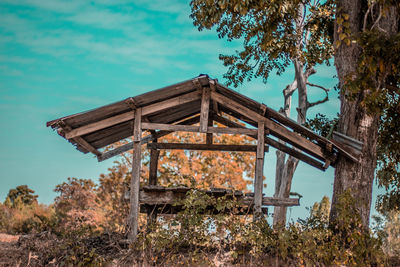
{"x":50,"y":5}
{"x":124,"y":36}
{"x":16,"y":59}
{"x":164,"y":6}
{"x":7,"y":71}
{"x":104,"y":19}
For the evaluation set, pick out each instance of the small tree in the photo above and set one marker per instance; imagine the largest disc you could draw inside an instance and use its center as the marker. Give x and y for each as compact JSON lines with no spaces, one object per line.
{"x":20,"y":196}
{"x":321,"y":209}
{"x":112,"y":191}
{"x":77,"y":205}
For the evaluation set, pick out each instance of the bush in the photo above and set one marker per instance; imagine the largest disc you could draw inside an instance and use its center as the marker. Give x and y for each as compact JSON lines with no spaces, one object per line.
{"x":26,"y":219}
{"x":196,"y":236}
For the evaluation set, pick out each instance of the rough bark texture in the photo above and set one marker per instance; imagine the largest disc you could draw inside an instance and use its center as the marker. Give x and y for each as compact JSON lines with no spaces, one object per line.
{"x":354,"y":121}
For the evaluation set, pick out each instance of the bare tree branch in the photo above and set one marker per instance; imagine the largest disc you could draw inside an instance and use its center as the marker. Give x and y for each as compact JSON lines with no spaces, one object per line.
{"x":318,"y":86}
{"x":290,"y":89}
{"x":309,"y":105}
{"x":309,"y":71}
{"x":378,"y":19}
{"x":366,"y":16}
{"x":287,"y":94}
{"x":326,"y":90}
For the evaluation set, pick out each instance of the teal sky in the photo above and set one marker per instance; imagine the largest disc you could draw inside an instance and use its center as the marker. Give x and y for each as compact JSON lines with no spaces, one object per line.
{"x":62,"y":57}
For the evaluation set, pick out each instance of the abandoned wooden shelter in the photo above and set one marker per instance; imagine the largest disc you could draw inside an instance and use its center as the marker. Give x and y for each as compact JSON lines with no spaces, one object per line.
{"x":193,"y":106}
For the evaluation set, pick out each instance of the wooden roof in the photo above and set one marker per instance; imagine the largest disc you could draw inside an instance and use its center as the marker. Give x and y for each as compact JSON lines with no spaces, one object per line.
{"x":95,"y":129}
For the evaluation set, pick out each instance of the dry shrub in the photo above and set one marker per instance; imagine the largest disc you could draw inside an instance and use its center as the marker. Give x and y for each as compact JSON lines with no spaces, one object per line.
{"x":26,"y":219}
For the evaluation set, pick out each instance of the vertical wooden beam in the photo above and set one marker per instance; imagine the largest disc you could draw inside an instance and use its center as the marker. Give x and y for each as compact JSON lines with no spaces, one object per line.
{"x":258,"y":183}
{"x":209,"y":137}
{"x":154,"y":156}
{"x":214,"y":103}
{"x":205,"y":108}
{"x":135,"y":180}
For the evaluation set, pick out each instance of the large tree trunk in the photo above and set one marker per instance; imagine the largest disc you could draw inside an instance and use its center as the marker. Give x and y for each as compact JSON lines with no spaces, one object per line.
{"x":354,"y":121}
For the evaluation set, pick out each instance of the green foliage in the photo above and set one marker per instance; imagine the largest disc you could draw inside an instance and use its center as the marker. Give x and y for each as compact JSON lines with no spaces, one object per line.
{"x":322,"y":125}
{"x":75,"y":252}
{"x":392,"y":233}
{"x":388,"y":152}
{"x":271,"y":40}
{"x":320,"y":210}
{"x":195,"y":234}
{"x":20,"y":196}
{"x":200,"y":235}
{"x":388,"y":230}
{"x":270,"y":37}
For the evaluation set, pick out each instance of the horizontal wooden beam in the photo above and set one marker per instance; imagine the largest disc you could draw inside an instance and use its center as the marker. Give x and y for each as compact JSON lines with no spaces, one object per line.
{"x":276,"y":129}
{"x":146,"y":110}
{"x":92,"y":127}
{"x":79,"y":140}
{"x":189,"y":128}
{"x":295,"y":153}
{"x":228,"y":130}
{"x":145,"y":140}
{"x":129,"y":146}
{"x":175,"y":209}
{"x":170,"y":127}
{"x":169,"y":103}
{"x":211,"y":147}
{"x":171,"y":197}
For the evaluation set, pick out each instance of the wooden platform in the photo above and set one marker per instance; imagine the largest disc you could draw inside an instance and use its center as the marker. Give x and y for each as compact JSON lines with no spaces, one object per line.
{"x":162,"y":200}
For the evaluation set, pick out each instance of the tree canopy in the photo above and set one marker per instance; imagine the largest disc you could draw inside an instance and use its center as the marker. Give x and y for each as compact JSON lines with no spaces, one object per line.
{"x":361,"y":33}
{"x":270,"y":37}
{"x":20,"y":196}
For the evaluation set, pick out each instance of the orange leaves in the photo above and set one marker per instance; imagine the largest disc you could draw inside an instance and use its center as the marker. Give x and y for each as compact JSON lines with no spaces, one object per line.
{"x":206,"y":169}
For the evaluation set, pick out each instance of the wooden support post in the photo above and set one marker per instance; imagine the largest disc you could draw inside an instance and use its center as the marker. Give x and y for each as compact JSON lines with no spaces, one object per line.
{"x":214,"y":103}
{"x":135,"y":180}
{"x":258,"y":183}
{"x":205,"y":107}
{"x":154,"y":155}
{"x":209,"y":137}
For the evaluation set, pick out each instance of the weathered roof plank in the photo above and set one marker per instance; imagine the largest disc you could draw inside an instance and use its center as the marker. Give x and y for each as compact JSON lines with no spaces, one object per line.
{"x":102,"y":126}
